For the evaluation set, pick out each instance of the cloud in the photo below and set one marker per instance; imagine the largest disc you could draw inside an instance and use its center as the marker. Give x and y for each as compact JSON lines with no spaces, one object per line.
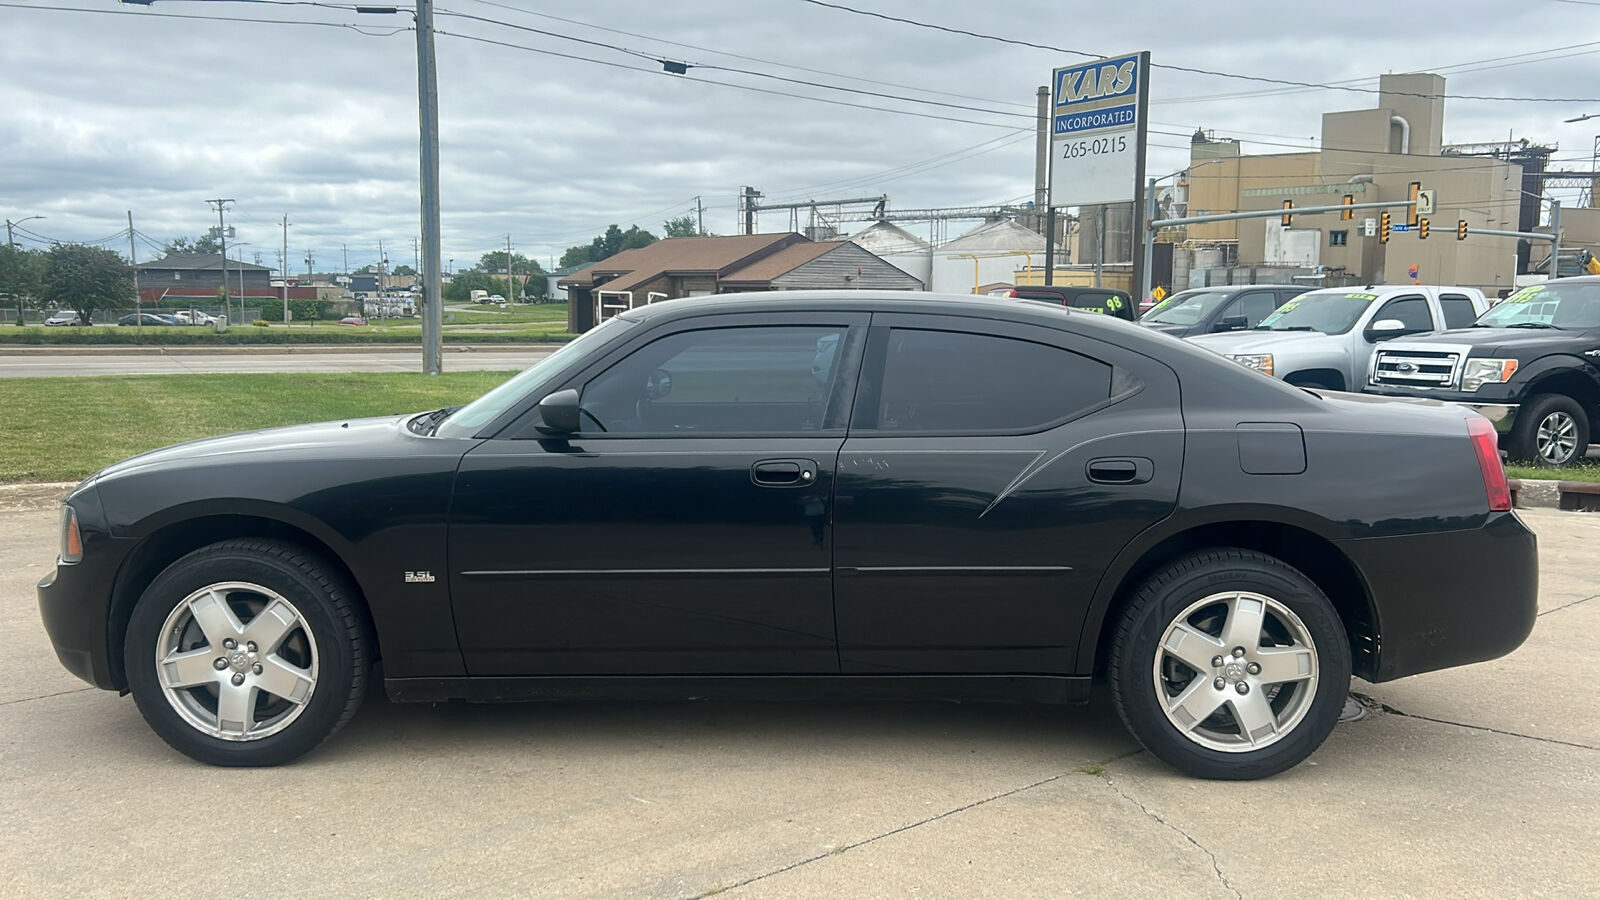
{"x":105,"y":113}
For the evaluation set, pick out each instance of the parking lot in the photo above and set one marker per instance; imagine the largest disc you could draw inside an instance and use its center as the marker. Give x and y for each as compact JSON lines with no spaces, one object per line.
{"x":1478,"y":781}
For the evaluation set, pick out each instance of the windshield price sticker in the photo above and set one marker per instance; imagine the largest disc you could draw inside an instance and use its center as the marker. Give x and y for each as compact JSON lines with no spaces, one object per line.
{"x":1524,"y":295}
{"x":1361,"y":296}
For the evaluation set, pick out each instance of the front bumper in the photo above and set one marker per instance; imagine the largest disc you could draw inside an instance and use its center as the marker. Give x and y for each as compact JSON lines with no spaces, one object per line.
{"x":1450,"y":598}
{"x":75,"y":617}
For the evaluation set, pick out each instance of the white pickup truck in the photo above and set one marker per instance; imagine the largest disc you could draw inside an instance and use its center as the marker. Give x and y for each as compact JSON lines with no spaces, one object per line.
{"x":1326,"y":338}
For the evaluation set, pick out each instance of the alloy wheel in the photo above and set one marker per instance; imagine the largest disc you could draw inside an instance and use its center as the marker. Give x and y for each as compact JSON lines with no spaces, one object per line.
{"x":1557,"y":438}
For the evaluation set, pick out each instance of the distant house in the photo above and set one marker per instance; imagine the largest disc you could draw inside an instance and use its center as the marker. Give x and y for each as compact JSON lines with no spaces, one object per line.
{"x":689,"y":267}
{"x":201,"y":273}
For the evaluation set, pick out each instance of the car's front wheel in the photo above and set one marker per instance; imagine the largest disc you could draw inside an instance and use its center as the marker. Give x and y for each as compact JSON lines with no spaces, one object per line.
{"x":247,"y":653}
{"x":1230,"y":664}
{"x":1550,"y":430}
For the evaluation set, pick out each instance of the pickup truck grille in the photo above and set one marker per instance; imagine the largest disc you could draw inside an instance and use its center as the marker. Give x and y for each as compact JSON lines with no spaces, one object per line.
{"x":1416,"y":368}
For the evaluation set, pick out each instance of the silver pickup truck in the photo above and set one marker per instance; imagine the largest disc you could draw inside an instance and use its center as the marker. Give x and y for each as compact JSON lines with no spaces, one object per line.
{"x":1326,"y":338}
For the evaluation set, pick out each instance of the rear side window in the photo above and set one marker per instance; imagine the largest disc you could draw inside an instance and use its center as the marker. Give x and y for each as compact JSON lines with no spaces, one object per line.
{"x":1458,"y":311}
{"x":944,"y":382}
{"x":1413,"y":311}
{"x":1254,"y":306}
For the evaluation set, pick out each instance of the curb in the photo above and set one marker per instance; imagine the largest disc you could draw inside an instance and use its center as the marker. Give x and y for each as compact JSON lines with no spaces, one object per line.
{"x":1572,"y":496}
{"x":33,"y":495}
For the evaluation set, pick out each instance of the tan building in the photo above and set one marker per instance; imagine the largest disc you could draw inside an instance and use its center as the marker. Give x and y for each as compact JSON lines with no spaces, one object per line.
{"x":1372,"y":155}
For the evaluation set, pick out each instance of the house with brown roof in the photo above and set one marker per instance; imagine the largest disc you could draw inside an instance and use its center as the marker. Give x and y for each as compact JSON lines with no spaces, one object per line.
{"x":690,"y":267}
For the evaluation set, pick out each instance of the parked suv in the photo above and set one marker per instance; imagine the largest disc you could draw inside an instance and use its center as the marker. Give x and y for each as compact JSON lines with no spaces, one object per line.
{"x":1531,"y":365}
{"x":1212,"y":309}
{"x":1325,"y":338}
{"x":1108,"y":301}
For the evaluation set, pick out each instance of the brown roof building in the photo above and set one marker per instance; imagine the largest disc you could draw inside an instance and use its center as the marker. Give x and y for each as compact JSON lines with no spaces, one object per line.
{"x":689,"y":267}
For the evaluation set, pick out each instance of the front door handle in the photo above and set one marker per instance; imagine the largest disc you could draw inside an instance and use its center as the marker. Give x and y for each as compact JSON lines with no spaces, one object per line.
{"x":1121,"y":470}
{"x":784,"y":472}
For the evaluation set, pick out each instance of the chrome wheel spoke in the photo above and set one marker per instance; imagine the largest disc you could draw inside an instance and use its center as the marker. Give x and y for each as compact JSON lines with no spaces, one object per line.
{"x":236,"y":709}
{"x":191,"y":669}
{"x":217,"y":622}
{"x":1257,"y":722}
{"x":1284,"y":664}
{"x":1196,"y":702}
{"x":270,"y":626}
{"x":1193,"y":647}
{"x":281,"y":679}
{"x":1243,"y":627}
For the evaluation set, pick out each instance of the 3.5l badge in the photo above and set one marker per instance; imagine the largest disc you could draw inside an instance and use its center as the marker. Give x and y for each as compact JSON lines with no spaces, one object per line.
{"x":419,"y":578}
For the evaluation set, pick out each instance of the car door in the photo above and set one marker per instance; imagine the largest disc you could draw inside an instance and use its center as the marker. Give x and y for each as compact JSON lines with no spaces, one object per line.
{"x":1251,"y":306}
{"x":991,"y":472}
{"x":685,"y":529}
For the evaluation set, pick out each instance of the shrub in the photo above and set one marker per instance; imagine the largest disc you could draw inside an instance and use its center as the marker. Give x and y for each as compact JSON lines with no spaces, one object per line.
{"x":261,"y":323}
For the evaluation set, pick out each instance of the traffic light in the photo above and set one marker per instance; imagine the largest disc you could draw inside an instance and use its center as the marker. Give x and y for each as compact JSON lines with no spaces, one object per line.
{"x":1461,"y":229}
{"x":1383,"y":228}
{"x":1422,"y":229}
{"x":1348,"y":213}
{"x":1287,"y":205}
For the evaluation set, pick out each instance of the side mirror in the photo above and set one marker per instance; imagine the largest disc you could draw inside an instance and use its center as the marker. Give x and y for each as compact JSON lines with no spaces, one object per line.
{"x":1231,"y":323}
{"x":558,"y":413}
{"x":1383,"y":329}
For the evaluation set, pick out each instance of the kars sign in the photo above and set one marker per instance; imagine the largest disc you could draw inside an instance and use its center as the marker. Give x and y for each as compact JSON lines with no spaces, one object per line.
{"x":1098,"y":130}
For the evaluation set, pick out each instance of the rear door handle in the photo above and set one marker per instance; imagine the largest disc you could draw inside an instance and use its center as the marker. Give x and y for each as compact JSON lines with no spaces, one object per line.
{"x":784,"y":472}
{"x":1121,"y":470}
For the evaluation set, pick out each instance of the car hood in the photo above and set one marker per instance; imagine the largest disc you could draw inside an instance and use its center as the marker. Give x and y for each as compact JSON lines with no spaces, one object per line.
{"x":1257,"y":341}
{"x":322,"y":440}
{"x":1483,"y":342}
{"x":1167,"y":327}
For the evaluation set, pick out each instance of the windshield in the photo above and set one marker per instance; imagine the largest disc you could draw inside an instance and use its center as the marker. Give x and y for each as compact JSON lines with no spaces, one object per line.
{"x":1330,"y":312}
{"x":1187,"y":308}
{"x":480,"y":412}
{"x":1575,"y":305}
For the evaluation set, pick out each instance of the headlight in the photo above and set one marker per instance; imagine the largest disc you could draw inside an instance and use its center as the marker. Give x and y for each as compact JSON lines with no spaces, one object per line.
{"x":1261,"y":362}
{"x":1479,"y":372}
{"x":71,"y":538}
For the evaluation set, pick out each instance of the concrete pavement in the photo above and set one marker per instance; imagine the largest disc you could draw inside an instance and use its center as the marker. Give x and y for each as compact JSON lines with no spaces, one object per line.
{"x":297,"y":359}
{"x":1481,"y":780}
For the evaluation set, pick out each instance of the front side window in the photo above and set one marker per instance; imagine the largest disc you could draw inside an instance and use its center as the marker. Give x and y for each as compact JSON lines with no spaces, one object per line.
{"x":1412,"y":311}
{"x":1187,"y":307}
{"x":953,"y":382}
{"x":722,"y":381}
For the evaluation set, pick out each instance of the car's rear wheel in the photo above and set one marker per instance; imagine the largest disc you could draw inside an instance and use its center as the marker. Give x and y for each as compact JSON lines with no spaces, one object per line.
{"x":247,"y":653}
{"x":1550,"y":430}
{"x":1230,"y":664}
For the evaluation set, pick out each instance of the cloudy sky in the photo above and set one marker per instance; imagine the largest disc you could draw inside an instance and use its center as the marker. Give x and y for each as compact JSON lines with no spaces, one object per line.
{"x":557,"y":120}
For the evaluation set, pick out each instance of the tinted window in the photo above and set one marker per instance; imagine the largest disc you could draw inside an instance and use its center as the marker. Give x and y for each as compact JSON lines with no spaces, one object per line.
{"x":1254,"y":306}
{"x":719,"y":381}
{"x":1413,"y":311}
{"x":1188,"y":307}
{"x":942,"y":381}
{"x":1458,"y":311}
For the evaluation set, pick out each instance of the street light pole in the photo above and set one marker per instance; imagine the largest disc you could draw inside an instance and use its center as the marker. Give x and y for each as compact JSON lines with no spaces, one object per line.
{"x":428,"y":102}
{"x":11,"y":243}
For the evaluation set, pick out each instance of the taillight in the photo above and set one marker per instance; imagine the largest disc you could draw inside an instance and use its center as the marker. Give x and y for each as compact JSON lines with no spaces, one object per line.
{"x":71,"y":537}
{"x":1486,"y":442}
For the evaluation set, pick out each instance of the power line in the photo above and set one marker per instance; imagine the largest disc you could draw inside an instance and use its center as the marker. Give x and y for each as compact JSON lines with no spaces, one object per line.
{"x":359,"y":29}
{"x":1261,"y":78}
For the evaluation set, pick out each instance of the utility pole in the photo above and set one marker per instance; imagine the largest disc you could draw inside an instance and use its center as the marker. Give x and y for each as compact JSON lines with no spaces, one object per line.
{"x":345,"y":271}
{"x":428,"y":101}
{"x":511,"y":291}
{"x":138,"y":307}
{"x":699,"y":217}
{"x":1555,"y":239}
{"x":285,"y":269}
{"x":1041,"y":155}
{"x":222,"y":235}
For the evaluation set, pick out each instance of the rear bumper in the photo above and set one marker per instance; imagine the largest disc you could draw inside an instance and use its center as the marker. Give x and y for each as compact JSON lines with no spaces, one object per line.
{"x":1502,"y":414}
{"x":1450,"y":598}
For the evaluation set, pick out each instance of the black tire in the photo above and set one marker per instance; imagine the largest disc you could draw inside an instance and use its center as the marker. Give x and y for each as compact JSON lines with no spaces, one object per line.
{"x":1544,"y":426}
{"x":321,"y":651}
{"x":1297,"y":714}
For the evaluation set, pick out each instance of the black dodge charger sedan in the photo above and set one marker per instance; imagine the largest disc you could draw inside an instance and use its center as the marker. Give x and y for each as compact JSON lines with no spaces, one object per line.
{"x":840,"y":494}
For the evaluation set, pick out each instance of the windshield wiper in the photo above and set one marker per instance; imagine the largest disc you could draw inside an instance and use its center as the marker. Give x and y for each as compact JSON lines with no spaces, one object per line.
{"x":429,"y":423}
{"x":1532,"y":325}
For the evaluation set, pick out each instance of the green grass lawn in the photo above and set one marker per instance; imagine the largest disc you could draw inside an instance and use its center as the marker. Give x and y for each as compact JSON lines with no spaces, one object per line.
{"x":68,"y":428}
{"x":527,"y":323}
{"x":1585,"y":472}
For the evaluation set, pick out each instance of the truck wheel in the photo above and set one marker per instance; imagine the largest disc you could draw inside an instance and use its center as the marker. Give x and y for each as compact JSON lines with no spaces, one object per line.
{"x":1551,"y":430}
{"x":1230,"y":664}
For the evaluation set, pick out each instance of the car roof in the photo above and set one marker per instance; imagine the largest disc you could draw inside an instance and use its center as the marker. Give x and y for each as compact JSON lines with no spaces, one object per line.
{"x":979,"y":305}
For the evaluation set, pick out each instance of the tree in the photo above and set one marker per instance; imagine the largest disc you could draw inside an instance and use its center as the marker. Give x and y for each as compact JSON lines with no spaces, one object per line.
{"x":607,"y":245}
{"x":403,"y":270}
{"x":460,"y":288}
{"x":495,"y":261}
{"x":19,"y":274}
{"x":683,"y":226}
{"x":86,"y":279}
{"x":206,"y":244}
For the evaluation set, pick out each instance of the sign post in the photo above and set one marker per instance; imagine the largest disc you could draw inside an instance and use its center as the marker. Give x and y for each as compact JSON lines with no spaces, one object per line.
{"x":1097,"y":141}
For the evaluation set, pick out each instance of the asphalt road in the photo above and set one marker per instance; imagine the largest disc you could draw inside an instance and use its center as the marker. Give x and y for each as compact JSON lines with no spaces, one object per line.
{"x":39,"y":365}
{"x":1470,"y":782}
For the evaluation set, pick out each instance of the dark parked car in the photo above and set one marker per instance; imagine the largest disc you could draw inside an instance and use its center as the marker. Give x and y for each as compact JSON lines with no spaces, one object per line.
{"x":1108,"y":301}
{"x":1213,"y":309}
{"x":803,"y":494}
{"x":147,"y":319}
{"x":1531,"y":364}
